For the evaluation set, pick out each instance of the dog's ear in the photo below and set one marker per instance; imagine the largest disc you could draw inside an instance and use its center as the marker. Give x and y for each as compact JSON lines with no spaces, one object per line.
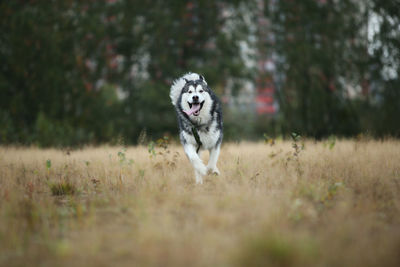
{"x":201,"y":77}
{"x":186,"y":80}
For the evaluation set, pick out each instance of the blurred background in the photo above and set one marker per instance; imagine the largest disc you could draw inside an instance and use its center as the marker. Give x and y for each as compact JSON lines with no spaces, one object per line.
{"x":93,"y":72}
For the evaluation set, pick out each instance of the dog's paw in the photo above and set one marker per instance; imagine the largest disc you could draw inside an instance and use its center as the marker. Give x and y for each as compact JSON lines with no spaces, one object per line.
{"x":199,"y":178}
{"x":202,"y":170}
{"x":199,"y":181}
{"x":213,"y":171}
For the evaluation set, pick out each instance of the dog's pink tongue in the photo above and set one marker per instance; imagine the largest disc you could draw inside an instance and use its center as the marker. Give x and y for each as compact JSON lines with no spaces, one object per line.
{"x":195,"y":107}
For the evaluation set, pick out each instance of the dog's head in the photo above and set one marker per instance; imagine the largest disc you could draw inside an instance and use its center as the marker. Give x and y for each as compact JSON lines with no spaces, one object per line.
{"x":195,"y":98}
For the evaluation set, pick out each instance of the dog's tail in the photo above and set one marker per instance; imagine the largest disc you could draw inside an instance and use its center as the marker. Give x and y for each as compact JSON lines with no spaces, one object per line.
{"x":179,"y":83}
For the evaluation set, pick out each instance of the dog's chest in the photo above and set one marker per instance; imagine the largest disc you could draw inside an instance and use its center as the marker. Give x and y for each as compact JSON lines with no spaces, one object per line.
{"x":208,"y":136}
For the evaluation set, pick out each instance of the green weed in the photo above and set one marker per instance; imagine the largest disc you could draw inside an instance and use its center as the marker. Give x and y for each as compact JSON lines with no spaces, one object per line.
{"x":268,"y":140}
{"x":62,"y":188}
{"x":48,"y":164}
{"x":164,"y":151}
{"x":298,"y":146}
{"x":330,"y":142}
{"x":122,"y":158}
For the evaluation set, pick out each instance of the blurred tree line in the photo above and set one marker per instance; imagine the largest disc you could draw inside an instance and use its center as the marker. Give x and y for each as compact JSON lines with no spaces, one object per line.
{"x":338,"y":66}
{"x":77,"y":72}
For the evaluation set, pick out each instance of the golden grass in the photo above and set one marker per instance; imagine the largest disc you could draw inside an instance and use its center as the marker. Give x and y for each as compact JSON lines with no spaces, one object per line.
{"x":98,"y":207}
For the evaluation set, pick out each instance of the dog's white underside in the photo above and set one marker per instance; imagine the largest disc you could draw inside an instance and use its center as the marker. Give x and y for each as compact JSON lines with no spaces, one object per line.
{"x":208,"y":140}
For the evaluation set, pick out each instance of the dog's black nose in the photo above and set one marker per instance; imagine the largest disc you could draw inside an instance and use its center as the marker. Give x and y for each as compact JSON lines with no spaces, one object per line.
{"x":195,"y":98}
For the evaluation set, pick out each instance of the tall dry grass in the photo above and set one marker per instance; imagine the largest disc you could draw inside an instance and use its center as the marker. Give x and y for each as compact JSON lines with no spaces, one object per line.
{"x":327,"y":205}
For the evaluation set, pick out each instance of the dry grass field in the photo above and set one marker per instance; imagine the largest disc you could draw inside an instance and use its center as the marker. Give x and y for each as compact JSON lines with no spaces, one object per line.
{"x":324,"y":204}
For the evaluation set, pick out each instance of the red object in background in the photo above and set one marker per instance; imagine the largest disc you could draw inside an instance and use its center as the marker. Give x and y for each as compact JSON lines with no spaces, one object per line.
{"x":265,"y":104}
{"x":265,"y":97}
{"x":265,"y":109}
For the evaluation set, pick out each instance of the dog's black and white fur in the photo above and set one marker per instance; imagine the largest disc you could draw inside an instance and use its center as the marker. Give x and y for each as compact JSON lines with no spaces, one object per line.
{"x":199,"y":116}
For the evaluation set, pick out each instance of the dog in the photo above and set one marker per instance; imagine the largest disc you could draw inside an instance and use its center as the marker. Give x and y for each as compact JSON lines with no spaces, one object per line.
{"x":199,"y":115}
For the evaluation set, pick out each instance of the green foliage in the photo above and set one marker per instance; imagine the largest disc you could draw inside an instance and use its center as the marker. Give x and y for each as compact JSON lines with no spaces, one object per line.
{"x":55,"y":133}
{"x":235,"y":120}
{"x":48,"y":164}
{"x":324,"y":50}
{"x":84,"y":72}
{"x":316,"y":53}
{"x":78,"y":72}
{"x":7,"y":131}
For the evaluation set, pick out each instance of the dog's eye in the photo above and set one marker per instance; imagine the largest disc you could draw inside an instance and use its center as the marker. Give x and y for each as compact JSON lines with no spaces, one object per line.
{"x":190,"y":92}
{"x":201,"y":91}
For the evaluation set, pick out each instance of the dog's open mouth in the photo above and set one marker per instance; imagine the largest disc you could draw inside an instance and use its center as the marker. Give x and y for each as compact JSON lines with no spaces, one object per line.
{"x":194,"y":108}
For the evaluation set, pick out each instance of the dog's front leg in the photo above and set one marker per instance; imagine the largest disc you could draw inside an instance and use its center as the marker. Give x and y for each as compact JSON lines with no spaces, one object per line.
{"x":199,"y":169}
{"x":212,"y":162}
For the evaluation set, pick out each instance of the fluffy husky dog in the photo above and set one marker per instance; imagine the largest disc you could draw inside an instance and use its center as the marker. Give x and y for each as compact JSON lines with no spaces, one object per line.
{"x":200,"y":121}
